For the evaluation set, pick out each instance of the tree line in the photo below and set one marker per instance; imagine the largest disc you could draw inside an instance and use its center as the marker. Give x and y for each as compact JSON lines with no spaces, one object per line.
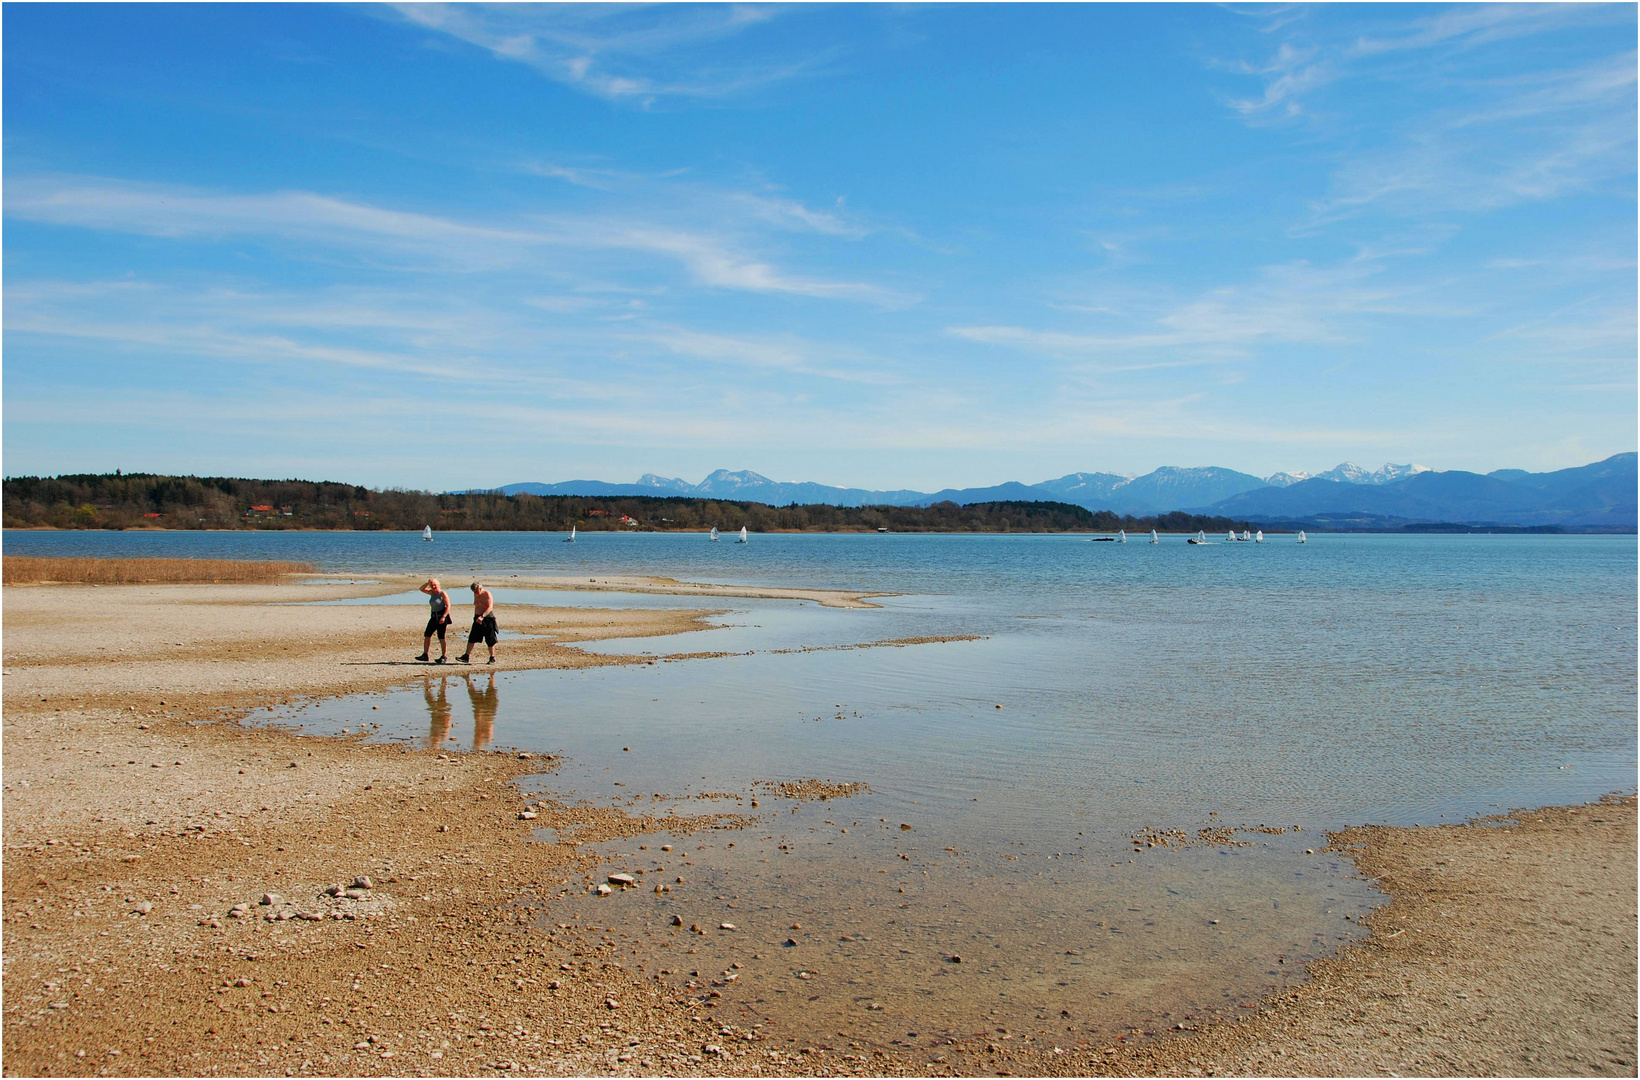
{"x":142,"y":500}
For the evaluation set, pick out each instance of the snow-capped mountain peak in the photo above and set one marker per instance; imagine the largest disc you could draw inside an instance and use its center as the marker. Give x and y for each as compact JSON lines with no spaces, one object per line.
{"x":1286,"y":479}
{"x":1398,"y":472}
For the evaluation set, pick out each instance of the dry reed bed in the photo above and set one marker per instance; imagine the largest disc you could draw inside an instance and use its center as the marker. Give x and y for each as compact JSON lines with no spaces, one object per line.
{"x":28,"y":569}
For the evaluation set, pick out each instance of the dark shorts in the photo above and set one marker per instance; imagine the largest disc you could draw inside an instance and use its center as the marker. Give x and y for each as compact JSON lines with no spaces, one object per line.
{"x":483,"y":630}
{"x":436,"y":625}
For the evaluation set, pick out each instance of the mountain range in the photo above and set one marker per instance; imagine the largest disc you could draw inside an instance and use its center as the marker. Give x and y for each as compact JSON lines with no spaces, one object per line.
{"x":1596,"y":497}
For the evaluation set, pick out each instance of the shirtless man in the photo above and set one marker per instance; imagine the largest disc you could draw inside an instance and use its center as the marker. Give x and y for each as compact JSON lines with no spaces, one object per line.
{"x":437,"y":620}
{"x":483,"y":624}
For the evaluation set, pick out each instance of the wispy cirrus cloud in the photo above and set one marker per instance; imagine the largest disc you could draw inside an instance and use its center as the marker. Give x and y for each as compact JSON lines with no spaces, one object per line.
{"x":322,"y":221}
{"x":1286,"y":304}
{"x":786,"y":353}
{"x":1530,"y":138}
{"x":637,"y":53}
{"x":1469,"y":25}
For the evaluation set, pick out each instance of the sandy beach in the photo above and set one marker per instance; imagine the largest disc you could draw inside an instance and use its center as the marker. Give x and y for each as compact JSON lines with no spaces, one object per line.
{"x":142,"y":835}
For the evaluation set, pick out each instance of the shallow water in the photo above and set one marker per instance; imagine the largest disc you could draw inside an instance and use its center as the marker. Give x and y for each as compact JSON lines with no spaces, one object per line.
{"x":1354,"y":679}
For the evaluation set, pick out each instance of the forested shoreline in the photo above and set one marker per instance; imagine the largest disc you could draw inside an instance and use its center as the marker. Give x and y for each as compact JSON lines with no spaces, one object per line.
{"x":140,"y":500}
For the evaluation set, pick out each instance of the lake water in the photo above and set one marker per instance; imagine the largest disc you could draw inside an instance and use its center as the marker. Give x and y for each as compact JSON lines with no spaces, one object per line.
{"x":1143,"y":689}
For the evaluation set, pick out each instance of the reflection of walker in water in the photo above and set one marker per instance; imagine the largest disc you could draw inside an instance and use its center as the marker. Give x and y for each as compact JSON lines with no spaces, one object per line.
{"x":484,"y":706}
{"x":439,"y":707}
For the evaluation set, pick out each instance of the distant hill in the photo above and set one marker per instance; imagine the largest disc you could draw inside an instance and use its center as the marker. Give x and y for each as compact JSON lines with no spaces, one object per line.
{"x":1597,"y":497}
{"x":1600,"y":496}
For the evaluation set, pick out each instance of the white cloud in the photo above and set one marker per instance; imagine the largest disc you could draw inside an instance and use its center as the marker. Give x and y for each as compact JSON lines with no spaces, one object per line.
{"x":785,"y":353}
{"x":331,"y":223}
{"x":636,"y":53}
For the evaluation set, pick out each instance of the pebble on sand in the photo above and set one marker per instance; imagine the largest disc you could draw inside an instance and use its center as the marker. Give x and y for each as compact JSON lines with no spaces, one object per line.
{"x":625,"y":881}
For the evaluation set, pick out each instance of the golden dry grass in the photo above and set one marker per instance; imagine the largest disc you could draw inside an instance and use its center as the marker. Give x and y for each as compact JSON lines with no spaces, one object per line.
{"x":25,"y":569}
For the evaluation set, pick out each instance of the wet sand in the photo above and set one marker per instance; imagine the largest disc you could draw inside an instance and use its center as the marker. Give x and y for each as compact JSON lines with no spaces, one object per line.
{"x":130,"y":832}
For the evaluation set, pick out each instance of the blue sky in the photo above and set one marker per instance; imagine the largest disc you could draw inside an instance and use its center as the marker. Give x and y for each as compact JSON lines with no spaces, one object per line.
{"x":900,"y":246}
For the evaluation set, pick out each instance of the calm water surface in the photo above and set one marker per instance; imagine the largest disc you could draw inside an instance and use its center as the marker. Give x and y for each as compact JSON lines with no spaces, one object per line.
{"x":1353,"y":679}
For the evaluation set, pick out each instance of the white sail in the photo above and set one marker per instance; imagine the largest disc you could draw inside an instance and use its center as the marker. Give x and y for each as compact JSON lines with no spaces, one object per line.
{"x":570,"y":539}
{"x":426,"y":532}
{"x":1153,"y":538}
{"x":1302,"y":538}
{"x":1259,"y":539}
{"x":1121,"y":536}
{"x":1232,"y":534}
{"x":742,"y":539}
{"x":714,"y":533}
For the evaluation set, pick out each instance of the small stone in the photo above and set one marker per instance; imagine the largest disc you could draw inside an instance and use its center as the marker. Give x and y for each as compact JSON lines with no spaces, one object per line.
{"x":611,"y":1003}
{"x":362,"y":882}
{"x":904,"y":827}
{"x":663,"y":888}
{"x":444,"y":828}
{"x":335,"y":890}
{"x":555,"y":985}
{"x":677,"y":920}
{"x":666,"y":847}
{"x":726,"y":926}
{"x":271,"y":898}
{"x":625,"y":881}
{"x":241,"y":982}
{"x":791,"y":943}
{"x":143,"y":908}
{"x":953,"y":959}
{"x":602,"y":890}
{"x":525,"y":757}
{"x":527,"y":815}
{"x":694,"y":928}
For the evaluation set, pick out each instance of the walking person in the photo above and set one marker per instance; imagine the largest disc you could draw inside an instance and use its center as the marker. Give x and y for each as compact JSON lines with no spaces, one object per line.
{"x":483,"y":623}
{"x":437,"y":620}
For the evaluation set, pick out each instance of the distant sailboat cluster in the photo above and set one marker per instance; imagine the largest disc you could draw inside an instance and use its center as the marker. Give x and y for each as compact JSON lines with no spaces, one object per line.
{"x":1230,"y":537}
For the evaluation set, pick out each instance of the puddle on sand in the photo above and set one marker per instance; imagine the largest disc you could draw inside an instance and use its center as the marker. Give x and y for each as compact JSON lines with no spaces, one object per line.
{"x":849,"y":931}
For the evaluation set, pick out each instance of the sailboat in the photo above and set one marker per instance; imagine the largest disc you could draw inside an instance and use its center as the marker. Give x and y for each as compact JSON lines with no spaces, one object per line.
{"x":742,"y":539}
{"x":1153,"y":539}
{"x":1244,"y":535}
{"x":1199,"y":538}
{"x":1302,"y":538}
{"x":1121,"y":536}
{"x":570,"y":539}
{"x":1232,"y":534}
{"x":714,"y":534}
{"x":1259,"y":539}
{"x":426,"y":532}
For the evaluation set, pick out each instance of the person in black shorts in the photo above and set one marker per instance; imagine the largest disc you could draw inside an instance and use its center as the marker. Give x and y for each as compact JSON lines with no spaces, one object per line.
{"x":483,"y":624}
{"x":437,"y":620}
